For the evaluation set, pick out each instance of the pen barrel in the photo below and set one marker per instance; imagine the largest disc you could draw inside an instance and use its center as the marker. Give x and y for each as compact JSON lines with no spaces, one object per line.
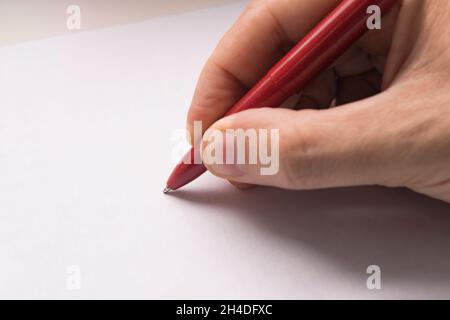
{"x":316,"y":52}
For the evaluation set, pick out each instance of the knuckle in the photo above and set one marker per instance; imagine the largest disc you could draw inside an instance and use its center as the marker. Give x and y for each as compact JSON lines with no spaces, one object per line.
{"x":297,"y":150}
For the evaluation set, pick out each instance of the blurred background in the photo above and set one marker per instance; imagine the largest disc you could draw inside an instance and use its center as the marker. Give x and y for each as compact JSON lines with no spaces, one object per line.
{"x":25,"y":20}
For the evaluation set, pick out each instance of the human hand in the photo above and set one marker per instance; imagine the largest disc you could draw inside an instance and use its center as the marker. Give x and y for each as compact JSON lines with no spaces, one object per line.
{"x":392,"y":123}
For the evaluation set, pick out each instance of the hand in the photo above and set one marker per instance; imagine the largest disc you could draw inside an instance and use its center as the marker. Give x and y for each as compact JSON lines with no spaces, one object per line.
{"x":392,"y":89}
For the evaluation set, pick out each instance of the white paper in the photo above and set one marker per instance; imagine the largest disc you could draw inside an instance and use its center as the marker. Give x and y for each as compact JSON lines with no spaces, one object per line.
{"x":86,"y":122}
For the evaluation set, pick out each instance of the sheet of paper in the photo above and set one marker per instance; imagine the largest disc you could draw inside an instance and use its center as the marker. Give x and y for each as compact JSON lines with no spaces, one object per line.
{"x":87,"y":129}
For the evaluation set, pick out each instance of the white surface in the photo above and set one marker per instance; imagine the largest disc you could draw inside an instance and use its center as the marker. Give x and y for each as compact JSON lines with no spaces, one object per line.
{"x":85,"y":124}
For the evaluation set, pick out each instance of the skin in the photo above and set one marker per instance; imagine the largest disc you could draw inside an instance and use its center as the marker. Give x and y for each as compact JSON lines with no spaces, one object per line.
{"x":392,"y":123}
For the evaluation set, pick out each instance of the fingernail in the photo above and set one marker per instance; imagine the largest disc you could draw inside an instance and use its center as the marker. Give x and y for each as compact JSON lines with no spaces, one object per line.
{"x":224,"y":166}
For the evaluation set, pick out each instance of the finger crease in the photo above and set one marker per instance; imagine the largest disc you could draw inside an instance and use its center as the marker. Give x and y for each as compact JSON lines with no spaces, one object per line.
{"x":280,"y":31}
{"x":231,"y":75}
{"x":371,"y":85}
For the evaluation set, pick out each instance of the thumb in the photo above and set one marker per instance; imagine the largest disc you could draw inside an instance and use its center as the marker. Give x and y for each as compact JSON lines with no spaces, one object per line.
{"x":344,"y":146}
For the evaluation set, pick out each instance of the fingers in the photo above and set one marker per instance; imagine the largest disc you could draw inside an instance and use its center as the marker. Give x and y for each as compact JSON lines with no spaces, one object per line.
{"x":320,"y":92}
{"x":327,"y":87}
{"x":354,"y":61}
{"x":259,"y":38}
{"x":358,"y":87}
{"x":344,"y":146}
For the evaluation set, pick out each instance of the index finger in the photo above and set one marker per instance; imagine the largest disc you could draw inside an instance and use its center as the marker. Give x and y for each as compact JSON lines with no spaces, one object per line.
{"x":259,"y":38}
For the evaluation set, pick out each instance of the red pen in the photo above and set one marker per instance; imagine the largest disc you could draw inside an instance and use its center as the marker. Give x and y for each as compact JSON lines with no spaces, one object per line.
{"x":313,"y":54}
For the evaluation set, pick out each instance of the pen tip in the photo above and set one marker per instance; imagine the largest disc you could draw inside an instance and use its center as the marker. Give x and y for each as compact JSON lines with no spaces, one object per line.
{"x":167,"y":190}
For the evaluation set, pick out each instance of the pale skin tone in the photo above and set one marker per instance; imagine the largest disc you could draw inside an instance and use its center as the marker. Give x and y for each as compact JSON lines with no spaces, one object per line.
{"x":392,"y":123}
